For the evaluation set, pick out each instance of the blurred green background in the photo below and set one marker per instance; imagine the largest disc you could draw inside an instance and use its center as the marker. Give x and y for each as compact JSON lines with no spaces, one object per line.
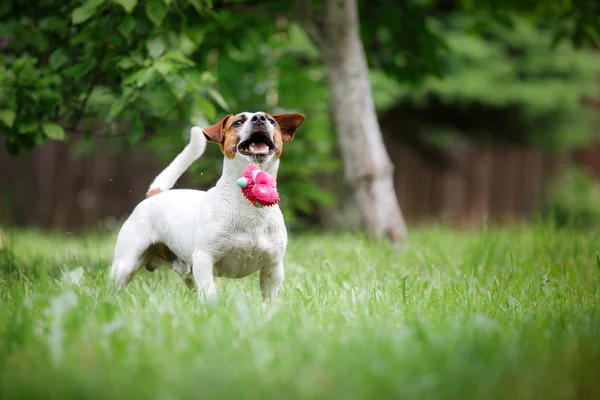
{"x":487,"y":112}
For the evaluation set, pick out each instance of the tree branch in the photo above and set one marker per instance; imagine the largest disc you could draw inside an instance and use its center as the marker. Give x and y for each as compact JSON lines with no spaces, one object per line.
{"x":95,"y":75}
{"x":93,"y":81}
{"x":304,"y":15}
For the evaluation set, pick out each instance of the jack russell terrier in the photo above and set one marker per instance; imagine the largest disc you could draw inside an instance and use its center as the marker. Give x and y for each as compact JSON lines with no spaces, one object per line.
{"x":214,"y":233}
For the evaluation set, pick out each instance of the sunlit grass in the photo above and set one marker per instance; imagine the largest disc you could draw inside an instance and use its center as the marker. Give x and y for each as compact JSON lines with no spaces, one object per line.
{"x":505,"y":314}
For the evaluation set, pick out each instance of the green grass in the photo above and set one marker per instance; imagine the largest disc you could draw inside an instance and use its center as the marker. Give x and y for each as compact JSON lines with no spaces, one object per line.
{"x":492,"y":314}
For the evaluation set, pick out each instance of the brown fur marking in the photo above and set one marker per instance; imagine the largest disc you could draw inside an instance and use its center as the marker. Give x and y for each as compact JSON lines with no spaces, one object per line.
{"x":230,"y":141}
{"x":214,"y":133}
{"x":152,"y":192}
{"x":285,"y":129}
{"x":288,"y":124}
{"x":224,"y":135}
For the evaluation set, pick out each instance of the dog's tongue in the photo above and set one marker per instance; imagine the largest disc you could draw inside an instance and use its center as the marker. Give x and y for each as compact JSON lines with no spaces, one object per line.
{"x":259,"y":147}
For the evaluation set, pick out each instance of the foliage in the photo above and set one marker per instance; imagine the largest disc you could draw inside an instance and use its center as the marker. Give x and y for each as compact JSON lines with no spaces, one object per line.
{"x":573,"y":199}
{"x":500,"y":314}
{"x":572,"y":20}
{"x":118,"y":62}
{"x":517,"y":69}
{"x":402,"y":38}
{"x":159,"y":68}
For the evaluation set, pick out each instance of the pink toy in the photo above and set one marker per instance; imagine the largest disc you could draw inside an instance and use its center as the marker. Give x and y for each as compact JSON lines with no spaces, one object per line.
{"x":258,"y":186}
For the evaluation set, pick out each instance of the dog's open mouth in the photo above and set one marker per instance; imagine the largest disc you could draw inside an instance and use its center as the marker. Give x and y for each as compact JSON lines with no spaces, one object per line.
{"x":259,"y":144}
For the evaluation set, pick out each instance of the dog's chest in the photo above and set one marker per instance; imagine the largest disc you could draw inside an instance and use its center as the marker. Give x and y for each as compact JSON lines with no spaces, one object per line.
{"x":250,"y":244}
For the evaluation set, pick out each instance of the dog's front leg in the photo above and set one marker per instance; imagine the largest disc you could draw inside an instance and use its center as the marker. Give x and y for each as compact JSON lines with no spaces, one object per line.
{"x":271,"y":279}
{"x":202,"y":270}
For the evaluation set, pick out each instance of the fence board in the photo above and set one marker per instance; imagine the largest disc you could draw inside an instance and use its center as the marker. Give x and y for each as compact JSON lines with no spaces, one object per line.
{"x":51,"y":188}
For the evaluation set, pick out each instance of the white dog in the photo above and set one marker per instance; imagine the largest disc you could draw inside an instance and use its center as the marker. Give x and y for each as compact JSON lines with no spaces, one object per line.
{"x":217,"y":232}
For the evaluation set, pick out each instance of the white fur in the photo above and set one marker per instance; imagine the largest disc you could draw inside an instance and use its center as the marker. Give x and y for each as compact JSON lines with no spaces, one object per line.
{"x":213,"y":233}
{"x":195,"y":148}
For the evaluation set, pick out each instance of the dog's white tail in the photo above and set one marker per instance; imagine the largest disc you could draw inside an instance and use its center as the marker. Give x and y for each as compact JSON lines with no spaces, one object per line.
{"x":167,"y":178}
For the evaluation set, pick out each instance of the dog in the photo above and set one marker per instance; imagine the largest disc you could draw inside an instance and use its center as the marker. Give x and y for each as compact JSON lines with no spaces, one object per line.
{"x":218,"y":232}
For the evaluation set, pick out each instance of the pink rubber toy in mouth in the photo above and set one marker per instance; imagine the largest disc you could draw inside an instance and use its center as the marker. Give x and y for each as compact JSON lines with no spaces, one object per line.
{"x":258,"y":186}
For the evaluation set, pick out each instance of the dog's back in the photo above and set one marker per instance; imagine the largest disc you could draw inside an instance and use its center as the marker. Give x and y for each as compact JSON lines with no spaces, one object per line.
{"x":164,"y":216}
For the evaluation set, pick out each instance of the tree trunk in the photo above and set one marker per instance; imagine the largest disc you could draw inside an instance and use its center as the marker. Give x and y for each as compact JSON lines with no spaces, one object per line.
{"x":367,"y":165}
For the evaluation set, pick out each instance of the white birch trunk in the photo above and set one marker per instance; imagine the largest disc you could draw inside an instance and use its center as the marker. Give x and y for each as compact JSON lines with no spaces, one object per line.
{"x":367,"y":165}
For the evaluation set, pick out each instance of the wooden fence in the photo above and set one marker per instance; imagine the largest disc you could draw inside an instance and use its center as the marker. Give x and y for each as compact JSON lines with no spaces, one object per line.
{"x":488,"y":183}
{"x":51,"y":188}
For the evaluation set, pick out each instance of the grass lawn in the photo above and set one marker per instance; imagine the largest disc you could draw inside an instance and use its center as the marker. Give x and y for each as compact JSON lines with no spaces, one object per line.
{"x":491,"y":314}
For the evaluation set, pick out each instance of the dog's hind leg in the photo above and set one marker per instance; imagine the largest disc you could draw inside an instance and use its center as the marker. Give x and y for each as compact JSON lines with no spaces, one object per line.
{"x":185,"y":271}
{"x":132,"y":252}
{"x":124,"y":268}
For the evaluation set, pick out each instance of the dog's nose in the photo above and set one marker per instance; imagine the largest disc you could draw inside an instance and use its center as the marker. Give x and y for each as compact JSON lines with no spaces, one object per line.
{"x":258,"y":118}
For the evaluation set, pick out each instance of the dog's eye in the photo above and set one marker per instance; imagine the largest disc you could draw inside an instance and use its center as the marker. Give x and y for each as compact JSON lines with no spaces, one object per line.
{"x":237,"y":123}
{"x":272,"y":121}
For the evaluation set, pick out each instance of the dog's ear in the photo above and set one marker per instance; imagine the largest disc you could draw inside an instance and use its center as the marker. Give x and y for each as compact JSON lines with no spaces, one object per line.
{"x":288,"y":123}
{"x":216,"y":133}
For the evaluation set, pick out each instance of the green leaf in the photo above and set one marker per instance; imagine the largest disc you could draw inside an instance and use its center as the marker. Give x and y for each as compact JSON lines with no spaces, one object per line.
{"x":201,"y":5}
{"x":198,"y":80}
{"x":218,"y":98}
{"x":54,"y":131}
{"x":8,"y":117}
{"x":127,"y":26}
{"x":126,"y":63}
{"x":140,"y":77}
{"x":178,"y":57}
{"x":177,"y":86}
{"x":155,"y":47}
{"x":58,"y":58}
{"x":80,"y":69}
{"x":28,"y":127}
{"x":37,"y":38}
{"x":136,"y":132}
{"x":128,"y":5}
{"x":82,"y":14}
{"x":156,"y":11}
{"x":163,"y":67}
{"x":207,"y":108}
{"x":186,"y":45}
{"x":117,"y":107}
{"x":100,"y":96}
{"x":54,"y":24}
{"x":161,"y":99}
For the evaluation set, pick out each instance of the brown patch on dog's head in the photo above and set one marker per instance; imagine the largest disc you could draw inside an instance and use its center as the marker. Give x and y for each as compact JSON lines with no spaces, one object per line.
{"x":287,"y":124}
{"x":224,"y":134}
{"x":152,"y":192}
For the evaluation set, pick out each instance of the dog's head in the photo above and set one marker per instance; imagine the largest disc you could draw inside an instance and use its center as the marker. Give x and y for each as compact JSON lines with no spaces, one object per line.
{"x":256,"y":137}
